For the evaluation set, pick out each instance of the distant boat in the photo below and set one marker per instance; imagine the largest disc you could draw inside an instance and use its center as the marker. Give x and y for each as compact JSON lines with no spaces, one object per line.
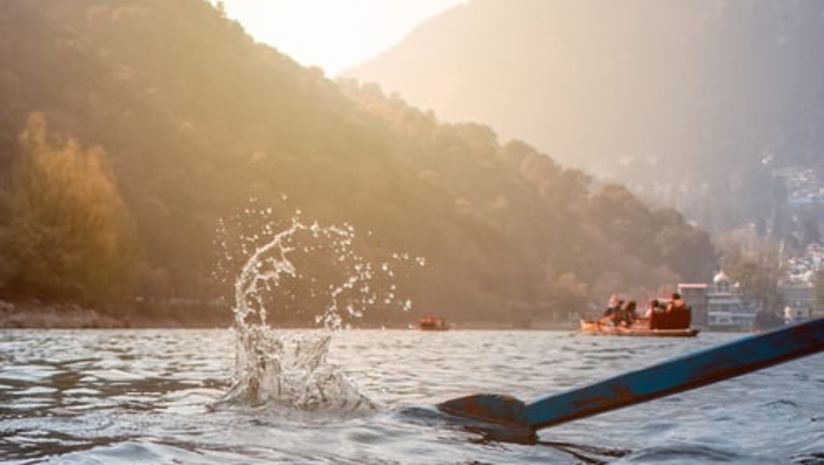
{"x":639,"y":329}
{"x":432,"y":323}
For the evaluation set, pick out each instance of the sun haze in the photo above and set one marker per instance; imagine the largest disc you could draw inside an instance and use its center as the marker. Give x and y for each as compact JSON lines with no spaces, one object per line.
{"x":332,"y":34}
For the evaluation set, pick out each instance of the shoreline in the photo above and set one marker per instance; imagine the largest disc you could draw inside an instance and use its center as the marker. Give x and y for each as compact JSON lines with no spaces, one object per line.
{"x":38,"y":315}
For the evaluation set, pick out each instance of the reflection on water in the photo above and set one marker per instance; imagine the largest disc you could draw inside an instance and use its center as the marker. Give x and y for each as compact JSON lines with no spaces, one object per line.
{"x":142,"y":397}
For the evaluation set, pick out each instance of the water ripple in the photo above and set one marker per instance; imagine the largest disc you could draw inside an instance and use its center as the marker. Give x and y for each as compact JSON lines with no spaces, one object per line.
{"x":141,"y":397}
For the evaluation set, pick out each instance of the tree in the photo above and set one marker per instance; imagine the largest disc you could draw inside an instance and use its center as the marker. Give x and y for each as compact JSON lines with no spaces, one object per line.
{"x":68,"y":234}
{"x":757,"y":272}
{"x":819,"y":289}
{"x":490,"y":219}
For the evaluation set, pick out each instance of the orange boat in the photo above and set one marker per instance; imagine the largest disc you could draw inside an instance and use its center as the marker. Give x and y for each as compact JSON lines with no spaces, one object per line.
{"x":432,"y":323}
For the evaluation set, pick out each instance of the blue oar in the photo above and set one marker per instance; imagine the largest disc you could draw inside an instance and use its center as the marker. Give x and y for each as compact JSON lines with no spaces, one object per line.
{"x":704,"y":367}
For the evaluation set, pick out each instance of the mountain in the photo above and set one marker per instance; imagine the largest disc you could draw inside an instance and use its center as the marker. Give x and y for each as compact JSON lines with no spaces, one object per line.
{"x":696,"y":104}
{"x":131,"y":127}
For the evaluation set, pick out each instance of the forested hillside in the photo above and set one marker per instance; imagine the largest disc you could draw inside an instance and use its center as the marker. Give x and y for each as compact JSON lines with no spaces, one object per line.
{"x":696,"y":104}
{"x":129,"y":127}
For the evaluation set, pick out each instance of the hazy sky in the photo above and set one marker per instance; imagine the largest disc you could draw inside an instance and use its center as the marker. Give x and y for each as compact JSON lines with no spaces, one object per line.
{"x":333,"y":34}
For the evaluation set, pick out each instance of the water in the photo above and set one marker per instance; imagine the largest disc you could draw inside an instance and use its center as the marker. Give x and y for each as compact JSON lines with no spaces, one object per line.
{"x":147,"y":396}
{"x":259,"y":395}
{"x":292,"y":370}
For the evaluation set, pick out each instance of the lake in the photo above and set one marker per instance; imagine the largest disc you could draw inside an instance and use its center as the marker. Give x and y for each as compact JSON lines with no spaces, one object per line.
{"x":146,"y":397}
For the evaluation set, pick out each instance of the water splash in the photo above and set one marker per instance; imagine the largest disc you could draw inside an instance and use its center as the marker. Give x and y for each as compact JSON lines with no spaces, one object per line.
{"x":308,"y":264}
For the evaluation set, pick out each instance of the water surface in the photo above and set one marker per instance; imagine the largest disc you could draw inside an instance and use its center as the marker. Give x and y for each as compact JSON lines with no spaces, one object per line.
{"x":143,"y":397}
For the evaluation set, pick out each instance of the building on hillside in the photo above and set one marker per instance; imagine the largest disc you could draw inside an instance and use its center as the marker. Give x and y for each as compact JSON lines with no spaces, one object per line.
{"x":802,"y":268}
{"x":804,"y":187}
{"x":695,"y":295}
{"x":797,"y":285}
{"x":727,"y":309}
{"x":719,"y":306}
{"x":798,"y":293}
{"x":796,"y":314}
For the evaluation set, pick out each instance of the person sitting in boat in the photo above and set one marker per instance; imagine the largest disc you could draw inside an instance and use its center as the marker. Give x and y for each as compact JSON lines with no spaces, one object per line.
{"x":613,"y":305}
{"x":676,"y":303}
{"x":625,"y":316}
{"x":654,"y":307}
{"x":677,"y":316}
{"x":678,"y":309}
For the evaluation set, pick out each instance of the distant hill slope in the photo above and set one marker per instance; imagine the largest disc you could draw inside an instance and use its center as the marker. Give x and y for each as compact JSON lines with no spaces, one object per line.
{"x":195,"y":119}
{"x":695,"y":103}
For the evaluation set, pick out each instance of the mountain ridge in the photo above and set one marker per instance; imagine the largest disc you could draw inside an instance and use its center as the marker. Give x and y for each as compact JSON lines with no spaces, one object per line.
{"x":673,"y":98}
{"x":195,"y":119}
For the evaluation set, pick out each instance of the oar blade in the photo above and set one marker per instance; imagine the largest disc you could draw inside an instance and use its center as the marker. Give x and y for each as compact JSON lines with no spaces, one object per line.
{"x":496,"y":417}
{"x":493,"y":408}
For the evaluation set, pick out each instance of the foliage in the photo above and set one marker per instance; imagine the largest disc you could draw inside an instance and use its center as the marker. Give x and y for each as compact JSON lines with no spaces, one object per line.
{"x":765,"y":320}
{"x":705,"y":131}
{"x":757,"y":272}
{"x":67,"y":233}
{"x":197,"y":119}
{"x":819,"y":289}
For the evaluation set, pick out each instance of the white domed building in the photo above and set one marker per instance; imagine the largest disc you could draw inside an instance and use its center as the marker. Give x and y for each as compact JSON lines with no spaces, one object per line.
{"x":726,"y":307}
{"x":721,"y":280}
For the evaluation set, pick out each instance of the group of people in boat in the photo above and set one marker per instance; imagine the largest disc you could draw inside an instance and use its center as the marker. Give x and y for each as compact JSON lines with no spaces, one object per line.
{"x":675,"y":314}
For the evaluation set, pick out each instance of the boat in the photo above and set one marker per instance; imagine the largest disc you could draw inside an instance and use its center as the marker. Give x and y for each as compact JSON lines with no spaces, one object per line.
{"x":639,"y":329}
{"x":432,"y":323}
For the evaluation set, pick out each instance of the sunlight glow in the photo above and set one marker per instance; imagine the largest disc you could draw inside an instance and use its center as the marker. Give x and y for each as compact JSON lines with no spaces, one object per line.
{"x":333,"y":34}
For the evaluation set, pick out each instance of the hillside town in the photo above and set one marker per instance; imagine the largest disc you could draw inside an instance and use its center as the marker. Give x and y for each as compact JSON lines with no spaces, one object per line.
{"x":804,"y":187}
{"x":722,"y":304}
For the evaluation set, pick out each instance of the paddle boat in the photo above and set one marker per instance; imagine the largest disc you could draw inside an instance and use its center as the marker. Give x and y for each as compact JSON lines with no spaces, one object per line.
{"x":641,"y":328}
{"x":675,"y":322}
{"x":432,"y":323}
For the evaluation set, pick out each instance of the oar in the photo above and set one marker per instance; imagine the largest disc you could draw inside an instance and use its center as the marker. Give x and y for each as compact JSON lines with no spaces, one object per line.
{"x":677,"y":375}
